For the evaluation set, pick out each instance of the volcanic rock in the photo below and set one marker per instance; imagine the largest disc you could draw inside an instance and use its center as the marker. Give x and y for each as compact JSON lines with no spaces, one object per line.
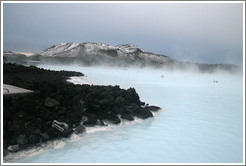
{"x":50,"y":102}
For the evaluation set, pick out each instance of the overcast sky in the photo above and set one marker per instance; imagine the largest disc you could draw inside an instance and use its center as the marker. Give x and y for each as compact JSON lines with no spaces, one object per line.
{"x":196,"y":32}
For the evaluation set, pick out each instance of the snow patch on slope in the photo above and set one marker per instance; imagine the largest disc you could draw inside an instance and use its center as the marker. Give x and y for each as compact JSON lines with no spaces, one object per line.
{"x":123,"y":51}
{"x":128,"y":48}
{"x":95,"y":47}
{"x":57,"y":49}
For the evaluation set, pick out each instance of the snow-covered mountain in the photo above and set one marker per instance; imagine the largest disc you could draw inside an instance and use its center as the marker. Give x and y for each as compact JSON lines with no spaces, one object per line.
{"x":120,"y":53}
{"x":125,"y":55}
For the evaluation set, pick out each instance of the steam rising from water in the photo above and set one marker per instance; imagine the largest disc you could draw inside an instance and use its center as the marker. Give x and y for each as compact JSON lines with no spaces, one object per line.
{"x":201,"y":120}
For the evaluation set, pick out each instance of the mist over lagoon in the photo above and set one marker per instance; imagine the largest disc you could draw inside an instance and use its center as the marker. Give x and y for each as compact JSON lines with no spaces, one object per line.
{"x":123,"y":82}
{"x":201,"y":121}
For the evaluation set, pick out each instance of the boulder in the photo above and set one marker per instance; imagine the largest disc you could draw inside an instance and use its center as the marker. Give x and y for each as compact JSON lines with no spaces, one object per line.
{"x":67,"y":133}
{"x":50,"y":102}
{"x":113,"y":119}
{"x":144,"y":114}
{"x":104,"y":102}
{"x":120,"y":100}
{"x":34,"y":138}
{"x":133,"y":108}
{"x":22,"y":139}
{"x":89,"y":120}
{"x":129,"y":111}
{"x":127,"y":117}
{"x":105,"y":94}
{"x":132,"y":96}
{"x":153,"y":108}
{"x":14,"y":148}
{"x":78,"y":104}
{"x":79,"y":129}
{"x":45,"y":136}
{"x":100,"y":123}
{"x":84,"y":119}
{"x":60,"y":126}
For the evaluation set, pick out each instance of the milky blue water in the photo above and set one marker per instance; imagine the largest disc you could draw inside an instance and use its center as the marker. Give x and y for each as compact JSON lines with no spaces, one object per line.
{"x":200,"y":121}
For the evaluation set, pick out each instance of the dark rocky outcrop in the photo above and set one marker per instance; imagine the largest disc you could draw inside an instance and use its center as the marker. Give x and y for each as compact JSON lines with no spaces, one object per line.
{"x":153,"y":108}
{"x":57,"y":108}
{"x":144,"y":113}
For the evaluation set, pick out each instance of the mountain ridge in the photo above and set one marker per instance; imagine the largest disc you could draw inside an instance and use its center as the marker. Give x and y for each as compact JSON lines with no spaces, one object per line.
{"x":122,"y":55}
{"x":121,"y":51}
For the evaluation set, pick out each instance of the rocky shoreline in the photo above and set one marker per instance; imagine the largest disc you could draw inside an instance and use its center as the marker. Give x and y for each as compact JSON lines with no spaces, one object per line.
{"x":58,"y":108}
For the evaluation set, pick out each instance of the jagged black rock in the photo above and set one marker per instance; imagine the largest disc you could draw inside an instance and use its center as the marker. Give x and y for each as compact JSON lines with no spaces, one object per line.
{"x":28,"y":118}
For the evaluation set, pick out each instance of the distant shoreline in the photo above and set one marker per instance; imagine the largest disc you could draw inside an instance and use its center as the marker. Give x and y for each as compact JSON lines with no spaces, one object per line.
{"x":24,"y":53}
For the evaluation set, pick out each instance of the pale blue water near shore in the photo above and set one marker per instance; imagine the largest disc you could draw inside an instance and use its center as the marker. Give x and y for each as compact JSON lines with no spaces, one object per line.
{"x":200,"y":121}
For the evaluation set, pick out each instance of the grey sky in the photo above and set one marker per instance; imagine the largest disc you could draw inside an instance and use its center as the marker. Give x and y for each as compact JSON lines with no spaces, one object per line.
{"x":198,"y":32}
